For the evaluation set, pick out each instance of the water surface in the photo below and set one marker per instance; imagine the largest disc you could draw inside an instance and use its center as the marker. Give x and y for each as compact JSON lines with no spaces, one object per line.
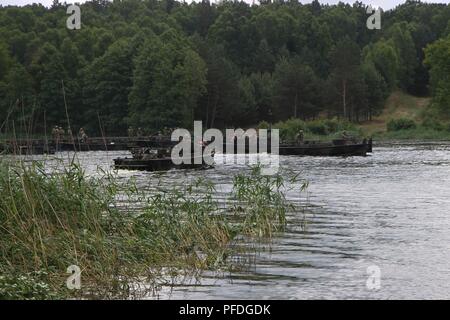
{"x":390,"y":210}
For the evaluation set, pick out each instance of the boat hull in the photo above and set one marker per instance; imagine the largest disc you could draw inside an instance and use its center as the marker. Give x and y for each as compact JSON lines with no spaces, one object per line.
{"x":336,"y":148}
{"x":327,"y":151}
{"x":159,"y":164}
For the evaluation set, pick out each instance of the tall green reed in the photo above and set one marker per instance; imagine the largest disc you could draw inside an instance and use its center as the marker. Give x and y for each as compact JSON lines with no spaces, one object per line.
{"x":49,"y":221}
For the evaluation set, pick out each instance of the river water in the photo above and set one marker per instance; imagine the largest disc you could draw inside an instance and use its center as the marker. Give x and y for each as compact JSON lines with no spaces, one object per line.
{"x":378,"y":227}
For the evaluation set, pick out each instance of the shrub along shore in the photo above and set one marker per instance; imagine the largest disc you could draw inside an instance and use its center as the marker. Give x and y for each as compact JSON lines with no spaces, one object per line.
{"x":321,"y":129}
{"x":50,"y":221}
{"x":429,"y":128}
{"x":409,"y":129}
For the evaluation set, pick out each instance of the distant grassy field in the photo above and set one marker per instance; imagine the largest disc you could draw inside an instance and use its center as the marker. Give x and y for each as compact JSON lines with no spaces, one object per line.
{"x":404,"y":117}
{"x":398,"y":105}
{"x":401,"y":105}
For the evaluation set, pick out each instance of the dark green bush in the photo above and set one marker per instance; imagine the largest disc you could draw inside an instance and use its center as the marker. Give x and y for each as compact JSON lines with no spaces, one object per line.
{"x":289,"y":128}
{"x":432,"y":123}
{"x":318,"y":127}
{"x":30,"y":286}
{"x":401,"y":124}
{"x":329,"y":126}
{"x":263,"y":125}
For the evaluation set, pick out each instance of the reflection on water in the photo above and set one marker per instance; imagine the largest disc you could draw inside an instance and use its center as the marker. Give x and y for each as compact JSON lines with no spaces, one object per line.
{"x":390,"y":210}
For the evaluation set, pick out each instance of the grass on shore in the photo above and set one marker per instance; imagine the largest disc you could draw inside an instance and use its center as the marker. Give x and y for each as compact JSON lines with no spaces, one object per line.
{"x":398,"y":105}
{"x":423,"y":123}
{"x":428,"y":124}
{"x":419,"y":133}
{"x":51,"y":221}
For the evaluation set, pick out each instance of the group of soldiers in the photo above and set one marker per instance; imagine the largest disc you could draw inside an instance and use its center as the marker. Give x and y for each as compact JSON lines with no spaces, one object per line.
{"x":132,"y":132}
{"x":58,"y":134}
{"x":150,"y":153}
{"x":135,"y":133}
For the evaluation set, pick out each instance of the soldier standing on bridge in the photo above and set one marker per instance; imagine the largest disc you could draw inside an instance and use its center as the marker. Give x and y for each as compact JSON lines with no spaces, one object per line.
{"x":83,"y":136}
{"x":70,"y":135}
{"x":299,"y":137}
{"x":55,"y":134}
{"x":61,"y":131}
{"x":139,"y":132}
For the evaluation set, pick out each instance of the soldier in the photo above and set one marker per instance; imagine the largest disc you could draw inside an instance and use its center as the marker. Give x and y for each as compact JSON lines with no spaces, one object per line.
{"x":145,"y":154}
{"x":55,"y":133}
{"x":70,"y":135}
{"x":149,"y":154}
{"x":61,"y":132}
{"x":131,"y":131}
{"x":137,"y":153}
{"x":348,"y":138}
{"x":299,"y":137}
{"x":83,"y":136}
{"x":139,"y":132}
{"x":56,"y":137}
{"x":80,"y":134}
{"x":345,"y":135}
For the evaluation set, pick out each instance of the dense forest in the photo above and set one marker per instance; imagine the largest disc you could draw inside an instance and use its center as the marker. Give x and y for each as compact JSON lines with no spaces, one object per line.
{"x":163,"y":63}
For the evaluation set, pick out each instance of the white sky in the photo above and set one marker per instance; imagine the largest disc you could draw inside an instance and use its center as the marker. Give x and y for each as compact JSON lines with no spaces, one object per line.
{"x":385,"y":4}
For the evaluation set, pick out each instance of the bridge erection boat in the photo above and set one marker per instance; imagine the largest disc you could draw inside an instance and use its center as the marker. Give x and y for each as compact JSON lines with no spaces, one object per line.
{"x":336,"y":148}
{"x":158,"y":164}
{"x":153,"y":159}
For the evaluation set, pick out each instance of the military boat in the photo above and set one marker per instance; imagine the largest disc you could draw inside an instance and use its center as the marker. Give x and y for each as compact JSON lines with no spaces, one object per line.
{"x":154,"y":159}
{"x":334,"y":148}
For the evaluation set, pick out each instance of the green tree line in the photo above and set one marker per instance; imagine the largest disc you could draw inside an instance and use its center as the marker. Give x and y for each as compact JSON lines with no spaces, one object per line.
{"x":163,"y":63}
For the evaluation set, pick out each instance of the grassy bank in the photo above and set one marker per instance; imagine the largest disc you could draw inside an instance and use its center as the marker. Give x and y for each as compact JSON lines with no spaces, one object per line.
{"x":420,"y":133}
{"x":406,"y":117}
{"x":51,"y":221}
{"x":429,"y":128}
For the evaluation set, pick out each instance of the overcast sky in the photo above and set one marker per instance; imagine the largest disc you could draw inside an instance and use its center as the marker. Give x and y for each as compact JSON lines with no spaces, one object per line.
{"x":385,"y":4}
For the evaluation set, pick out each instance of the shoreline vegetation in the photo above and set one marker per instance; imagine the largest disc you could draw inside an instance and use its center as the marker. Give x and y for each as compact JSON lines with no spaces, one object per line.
{"x":420,"y":133}
{"x":407,"y":117}
{"x":426,"y":127}
{"x":329,"y":129}
{"x":50,"y":221}
{"x":404,"y":117}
